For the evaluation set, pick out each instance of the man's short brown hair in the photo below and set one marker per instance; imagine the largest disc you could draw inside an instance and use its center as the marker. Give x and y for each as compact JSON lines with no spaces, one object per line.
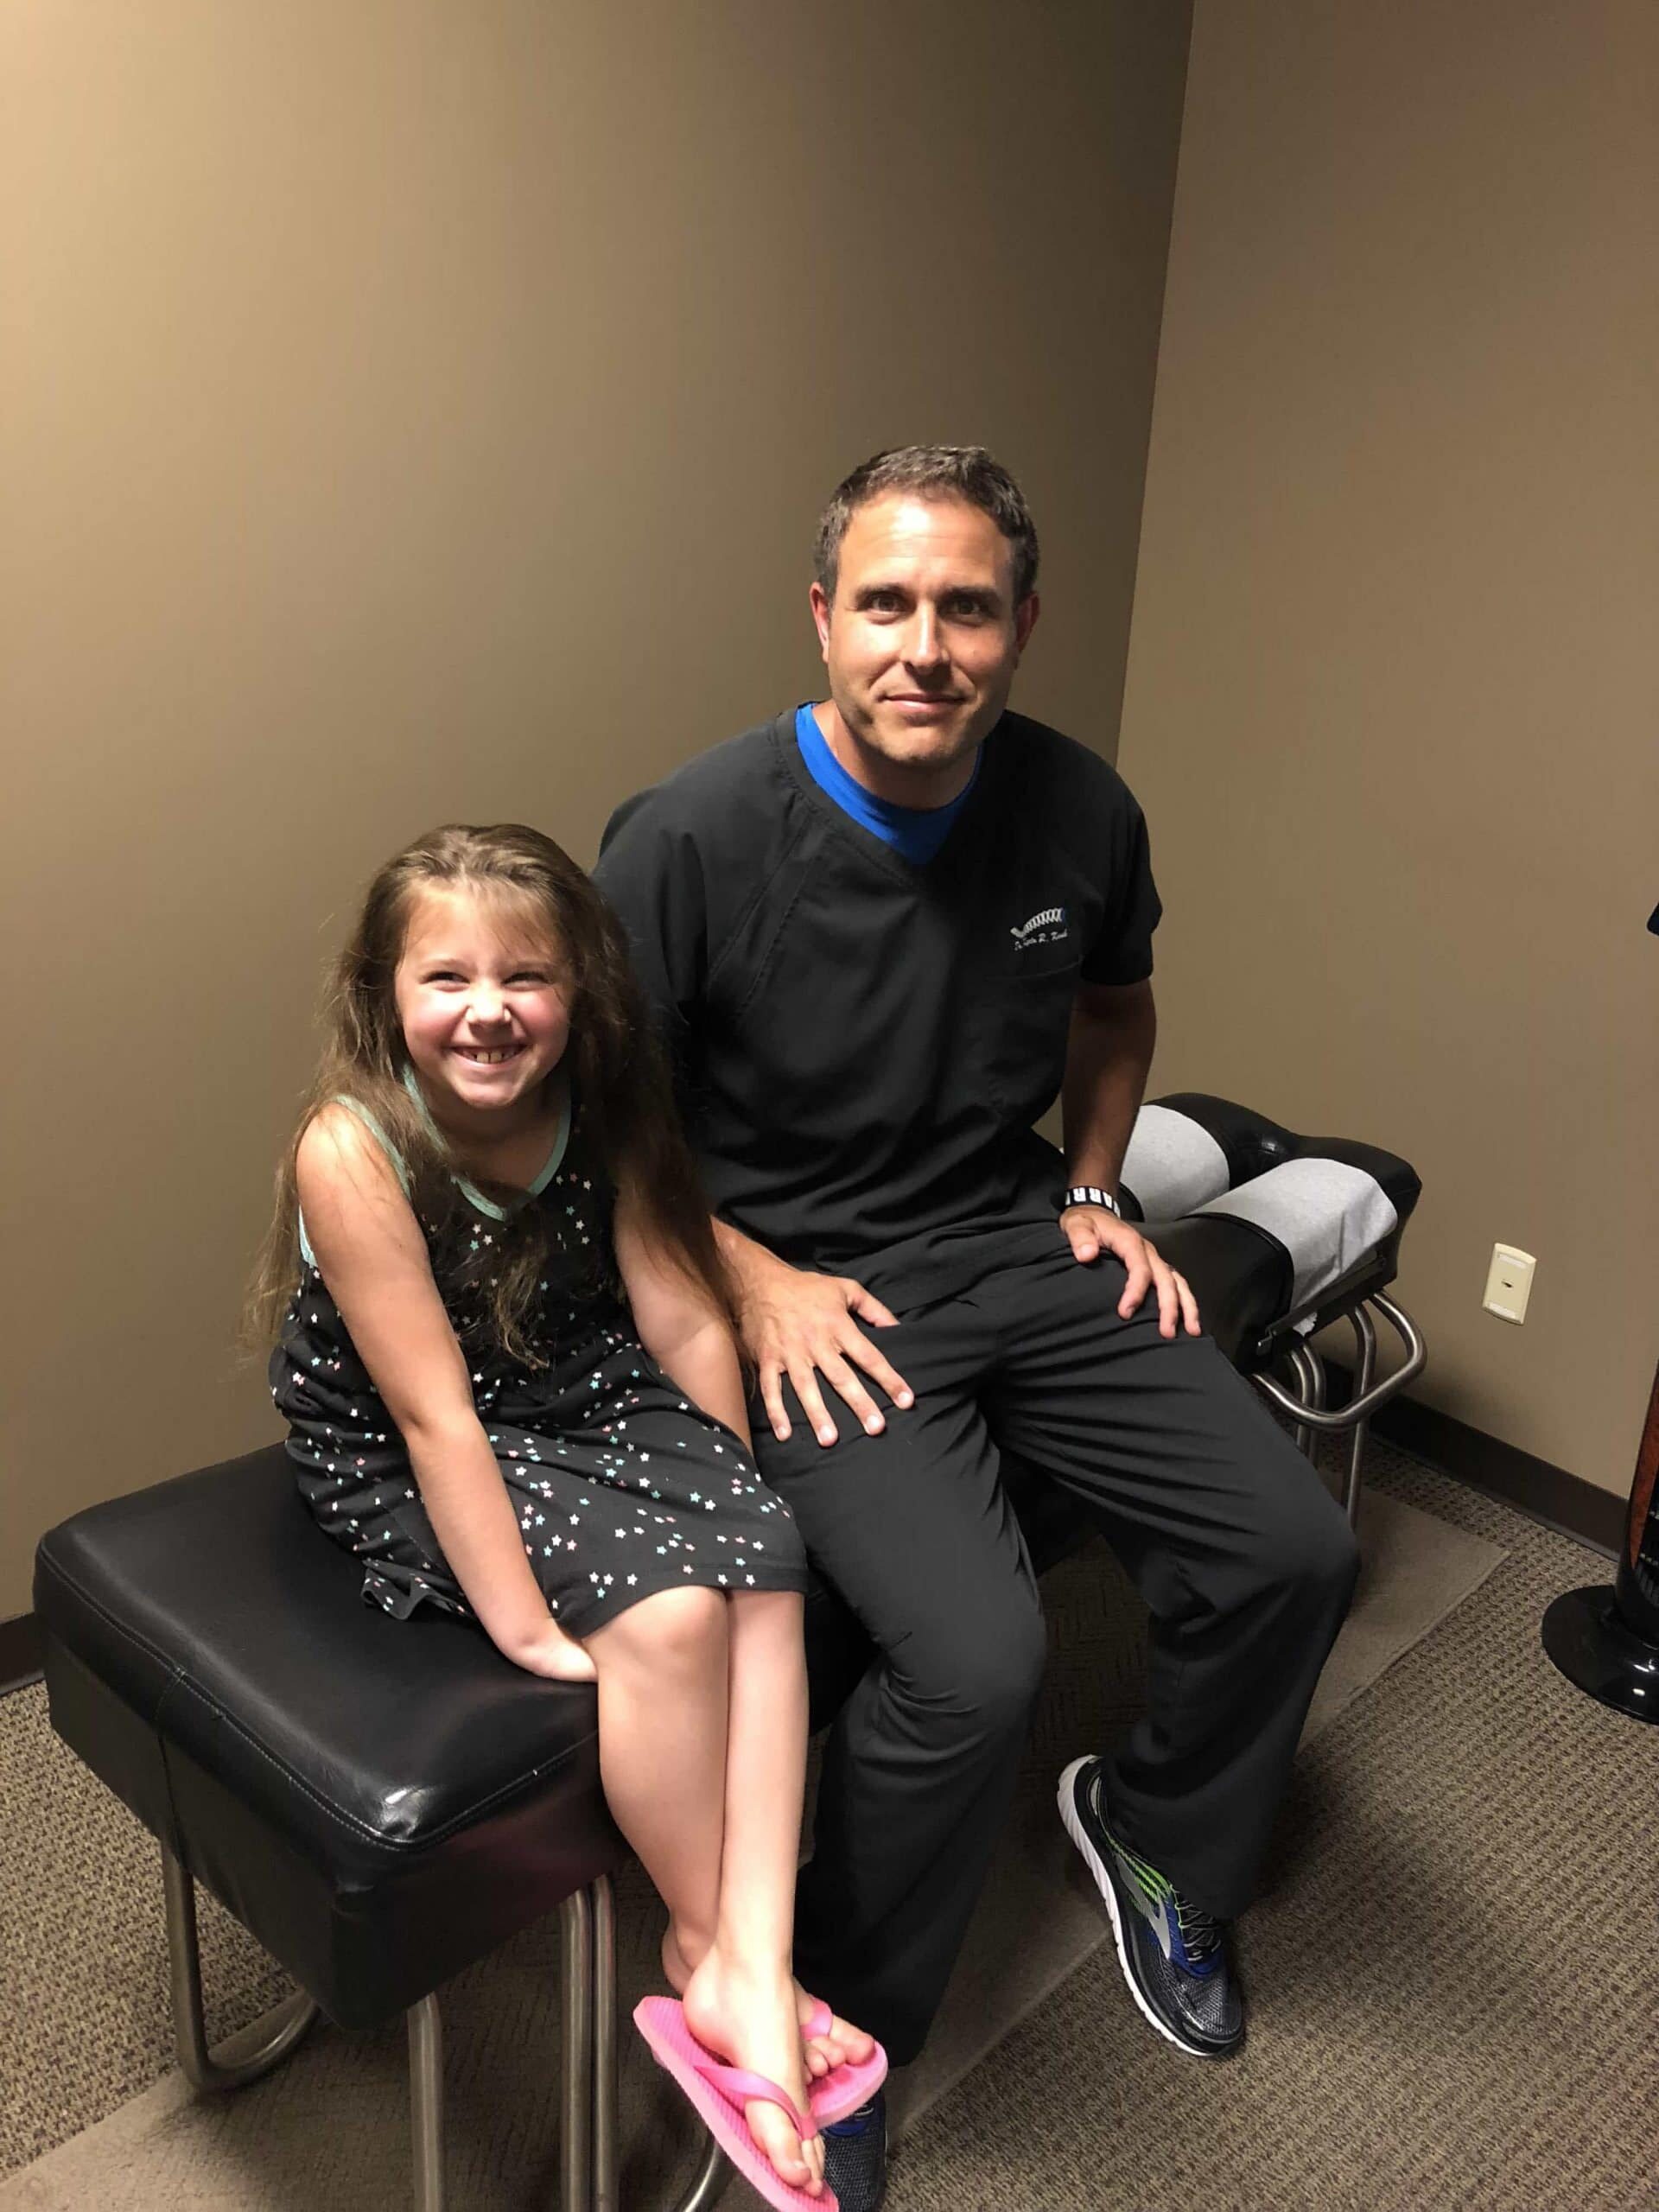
{"x":932,"y":473}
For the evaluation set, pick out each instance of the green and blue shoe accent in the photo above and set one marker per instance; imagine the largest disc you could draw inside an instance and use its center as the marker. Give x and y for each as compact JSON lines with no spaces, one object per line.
{"x":1174,"y":1955}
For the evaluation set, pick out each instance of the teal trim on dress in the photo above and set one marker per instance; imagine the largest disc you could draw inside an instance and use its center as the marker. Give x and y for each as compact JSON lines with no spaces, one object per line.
{"x":470,"y":1191}
{"x":356,"y":1106}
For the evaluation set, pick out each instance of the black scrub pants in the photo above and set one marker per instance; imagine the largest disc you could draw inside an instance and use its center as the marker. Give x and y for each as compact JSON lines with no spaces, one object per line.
{"x":1245,"y":1561}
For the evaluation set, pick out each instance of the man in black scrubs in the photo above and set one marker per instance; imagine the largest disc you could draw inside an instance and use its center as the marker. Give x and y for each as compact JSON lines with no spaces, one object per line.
{"x":884,"y":931}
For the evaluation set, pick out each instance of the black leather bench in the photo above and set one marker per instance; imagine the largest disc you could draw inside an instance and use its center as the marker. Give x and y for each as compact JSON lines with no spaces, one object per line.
{"x":382,"y":1803}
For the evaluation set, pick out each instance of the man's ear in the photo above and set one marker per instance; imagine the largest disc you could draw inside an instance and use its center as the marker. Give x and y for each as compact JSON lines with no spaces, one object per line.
{"x":1025,"y":619}
{"x":819,"y":600}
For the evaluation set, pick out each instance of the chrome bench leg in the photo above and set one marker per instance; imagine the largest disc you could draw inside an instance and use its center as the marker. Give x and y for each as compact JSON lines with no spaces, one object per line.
{"x":576,"y":2017}
{"x":1307,"y":1371}
{"x":712,"y":2177}
{"x":201,"y":2070}
{"x":1320,"y":1395}
{"x":605,"y":2136}
{"x":426,"y":2102}
{"x":1307,"y":1409}
{"x":1364,"y":1331}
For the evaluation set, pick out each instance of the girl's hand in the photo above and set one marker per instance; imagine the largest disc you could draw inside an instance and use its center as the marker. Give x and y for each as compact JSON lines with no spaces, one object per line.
{"x":558,"y":1657}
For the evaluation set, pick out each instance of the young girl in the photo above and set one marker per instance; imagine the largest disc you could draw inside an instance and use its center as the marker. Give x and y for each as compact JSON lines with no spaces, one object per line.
{"x":513,"y":1391}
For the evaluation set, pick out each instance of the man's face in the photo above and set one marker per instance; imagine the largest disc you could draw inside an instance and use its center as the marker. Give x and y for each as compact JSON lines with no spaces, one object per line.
{"x":923,"y":638}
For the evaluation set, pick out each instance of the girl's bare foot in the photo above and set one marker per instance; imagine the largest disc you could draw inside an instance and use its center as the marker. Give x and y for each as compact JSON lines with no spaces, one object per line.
{"x":748,"y":2016}
{"x":839,"y":2043}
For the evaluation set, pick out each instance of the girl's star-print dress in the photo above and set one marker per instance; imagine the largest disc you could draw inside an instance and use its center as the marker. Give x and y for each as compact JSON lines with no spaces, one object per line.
{"x":622,"y":1487}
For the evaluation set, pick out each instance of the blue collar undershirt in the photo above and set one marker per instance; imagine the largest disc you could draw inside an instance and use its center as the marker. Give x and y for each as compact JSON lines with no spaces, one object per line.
{"x":916,"y":832}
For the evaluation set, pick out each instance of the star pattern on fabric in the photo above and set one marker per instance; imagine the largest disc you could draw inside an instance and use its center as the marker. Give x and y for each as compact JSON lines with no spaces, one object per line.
{"x":591,"y":1421}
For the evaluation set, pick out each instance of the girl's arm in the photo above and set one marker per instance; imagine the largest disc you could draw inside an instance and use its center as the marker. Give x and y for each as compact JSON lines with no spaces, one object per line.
{"x":373,"y":1258}
{"x":679,"y":1325}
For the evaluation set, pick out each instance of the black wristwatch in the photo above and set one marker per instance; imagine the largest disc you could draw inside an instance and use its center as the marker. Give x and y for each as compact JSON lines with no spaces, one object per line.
{"x":1090,"y":1194}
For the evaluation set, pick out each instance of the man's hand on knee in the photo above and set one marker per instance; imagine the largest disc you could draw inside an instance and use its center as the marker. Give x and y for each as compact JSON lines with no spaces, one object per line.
{"x":801,"y":1326}
{"x":1091,"y":1230}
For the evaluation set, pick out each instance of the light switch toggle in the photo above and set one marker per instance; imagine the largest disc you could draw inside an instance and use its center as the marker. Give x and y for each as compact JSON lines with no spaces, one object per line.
{"x":1508,"y":1283}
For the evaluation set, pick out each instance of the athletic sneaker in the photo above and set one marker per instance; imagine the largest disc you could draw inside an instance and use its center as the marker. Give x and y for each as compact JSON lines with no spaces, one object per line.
{"x":855,"y":2157}
{"x":1173,"y":1956}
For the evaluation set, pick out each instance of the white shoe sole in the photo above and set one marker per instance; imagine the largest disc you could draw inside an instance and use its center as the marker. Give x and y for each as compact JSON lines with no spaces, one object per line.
{"x":1067,"y":1796}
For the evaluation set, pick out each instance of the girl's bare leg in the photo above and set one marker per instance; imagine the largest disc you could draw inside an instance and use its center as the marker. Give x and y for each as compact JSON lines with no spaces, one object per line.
{"x":663,"y":1670}
{"x":665,"y":1731}
{"x":741,"y":1995}
{"x":766,"y":1767}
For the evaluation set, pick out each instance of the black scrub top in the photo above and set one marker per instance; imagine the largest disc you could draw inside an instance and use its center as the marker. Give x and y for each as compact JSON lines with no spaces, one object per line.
{"x":863,"y":1044}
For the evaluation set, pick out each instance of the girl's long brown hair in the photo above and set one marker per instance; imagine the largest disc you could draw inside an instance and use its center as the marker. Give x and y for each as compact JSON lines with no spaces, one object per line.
{"x":620,"y":1072}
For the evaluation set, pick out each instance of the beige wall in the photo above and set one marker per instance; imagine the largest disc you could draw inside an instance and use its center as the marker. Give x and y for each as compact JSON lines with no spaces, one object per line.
{"x":1391,"y":700}
{"x":410,"y":414}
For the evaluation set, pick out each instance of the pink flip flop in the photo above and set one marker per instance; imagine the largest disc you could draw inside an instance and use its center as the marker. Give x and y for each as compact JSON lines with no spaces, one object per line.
{"x":718,"y":2093}
{"x":844,"y":2087}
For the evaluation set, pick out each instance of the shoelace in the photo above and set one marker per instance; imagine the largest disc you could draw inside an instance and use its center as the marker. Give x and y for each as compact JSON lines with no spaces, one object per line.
{"x":1200,"y":1930}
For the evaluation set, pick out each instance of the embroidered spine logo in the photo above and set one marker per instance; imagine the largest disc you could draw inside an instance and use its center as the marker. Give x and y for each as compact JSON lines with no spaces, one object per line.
{"x":1045,"y":928}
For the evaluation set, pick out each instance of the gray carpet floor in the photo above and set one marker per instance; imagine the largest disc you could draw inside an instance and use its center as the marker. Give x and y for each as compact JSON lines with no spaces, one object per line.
{"x":1453,"y":1974}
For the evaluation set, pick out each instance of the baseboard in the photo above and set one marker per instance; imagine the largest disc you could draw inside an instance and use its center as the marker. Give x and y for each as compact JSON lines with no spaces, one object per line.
{"x":1543,"y":1491}
{"x":19,"y":1653}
